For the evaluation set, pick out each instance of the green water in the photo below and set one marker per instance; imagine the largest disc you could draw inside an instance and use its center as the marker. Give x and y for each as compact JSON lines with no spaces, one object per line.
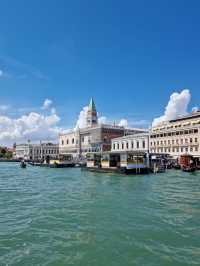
{"x":68,"y":217}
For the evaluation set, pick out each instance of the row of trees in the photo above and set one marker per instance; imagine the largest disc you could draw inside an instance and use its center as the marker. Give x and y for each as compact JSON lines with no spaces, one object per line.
{"x":5,"y":153}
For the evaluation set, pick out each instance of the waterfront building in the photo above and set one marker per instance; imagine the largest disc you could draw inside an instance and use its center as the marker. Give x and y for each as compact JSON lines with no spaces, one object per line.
{"x":95,"y":137}
{"x":136,"y":142}
{"x":36,"y":152}
{"x":177,"y":137}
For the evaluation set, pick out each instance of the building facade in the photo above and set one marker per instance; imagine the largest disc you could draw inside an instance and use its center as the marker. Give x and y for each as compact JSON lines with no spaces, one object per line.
{"x":135,"y":142}
{"x":37,"y":151}
{"x":94,"y":137}
{"x":177,"y":137}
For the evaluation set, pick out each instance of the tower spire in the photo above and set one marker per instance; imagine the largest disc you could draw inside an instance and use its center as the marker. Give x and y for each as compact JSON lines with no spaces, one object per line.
{"x":91,"y":114}
{"x":92,"y":106}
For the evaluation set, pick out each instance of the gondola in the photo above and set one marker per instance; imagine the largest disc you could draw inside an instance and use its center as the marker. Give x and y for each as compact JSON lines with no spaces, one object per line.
{"x":23,"y":164}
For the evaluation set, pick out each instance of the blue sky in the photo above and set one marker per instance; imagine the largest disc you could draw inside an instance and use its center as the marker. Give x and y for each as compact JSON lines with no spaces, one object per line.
{"x":129,"y":55}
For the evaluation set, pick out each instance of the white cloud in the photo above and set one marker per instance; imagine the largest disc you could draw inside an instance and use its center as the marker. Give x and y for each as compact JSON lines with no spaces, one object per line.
{"x":176,"y":106}
{"x":195,"y":109}
{"x":123,"y":123}
{"x":102,"y":120}
{"x":1,"y":73}
{"x":4,"y":107}
{"x":21,"y":70}
{"x":33,"y":126}
{"x":47,"y":103}
{"x":82,"y":119}
{"x":53,"y":110}
{"x":139,"y":123}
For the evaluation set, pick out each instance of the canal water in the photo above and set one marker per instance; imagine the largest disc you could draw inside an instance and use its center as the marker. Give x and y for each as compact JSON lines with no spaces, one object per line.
{"x":68,"y":217}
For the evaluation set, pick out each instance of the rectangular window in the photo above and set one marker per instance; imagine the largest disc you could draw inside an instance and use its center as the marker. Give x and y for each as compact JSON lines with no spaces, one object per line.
{"x":138,"y":145}
{"x":143,"y":144}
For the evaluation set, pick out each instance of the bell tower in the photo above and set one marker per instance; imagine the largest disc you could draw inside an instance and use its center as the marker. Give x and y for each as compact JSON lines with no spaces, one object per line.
{"x":92,"y":114}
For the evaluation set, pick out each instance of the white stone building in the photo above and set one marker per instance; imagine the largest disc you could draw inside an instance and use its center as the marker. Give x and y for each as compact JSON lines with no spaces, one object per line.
{"x":135,"y":142}
{"x":176,"y":137}
{"x":37,"y":151}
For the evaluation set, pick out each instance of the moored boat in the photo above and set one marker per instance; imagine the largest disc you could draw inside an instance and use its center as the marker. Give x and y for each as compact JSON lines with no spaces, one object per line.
{"x":187,"y":163}
{"x":188,"y":169}
{"x":61,"y":165}
{"x":198,"y":167}
{"x":177,"y":166}
{"x":121,"y":162}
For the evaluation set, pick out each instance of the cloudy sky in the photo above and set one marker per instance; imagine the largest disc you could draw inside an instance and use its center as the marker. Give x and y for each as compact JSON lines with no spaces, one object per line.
{"x":139,"y":60}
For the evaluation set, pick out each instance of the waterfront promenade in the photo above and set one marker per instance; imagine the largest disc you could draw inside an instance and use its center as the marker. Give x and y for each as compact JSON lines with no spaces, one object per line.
{"x":68,"y":217}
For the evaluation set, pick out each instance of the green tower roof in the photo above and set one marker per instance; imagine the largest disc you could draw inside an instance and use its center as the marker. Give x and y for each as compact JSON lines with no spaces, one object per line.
{"x":92,"y":106}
